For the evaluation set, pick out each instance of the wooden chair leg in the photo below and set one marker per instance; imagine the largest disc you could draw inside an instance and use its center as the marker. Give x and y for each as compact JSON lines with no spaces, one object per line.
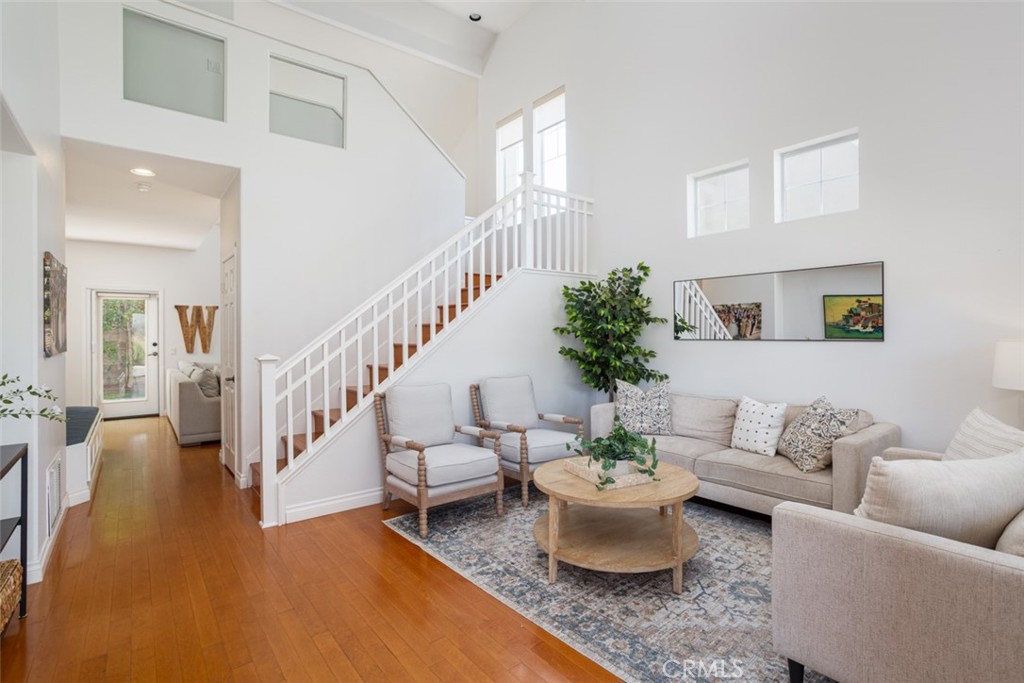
{"x":423,"y":522}
{"x":796,"y":671}
{"x":387,"y":499}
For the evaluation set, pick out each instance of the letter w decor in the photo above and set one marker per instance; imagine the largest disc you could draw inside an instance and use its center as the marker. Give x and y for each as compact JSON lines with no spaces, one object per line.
{"x":197,"y":322}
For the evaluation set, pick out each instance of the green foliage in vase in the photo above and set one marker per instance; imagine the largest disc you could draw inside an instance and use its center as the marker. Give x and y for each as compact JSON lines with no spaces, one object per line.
{"x":620,"y":445}
{"x":12,"y":396}
{"x":607,"y":317}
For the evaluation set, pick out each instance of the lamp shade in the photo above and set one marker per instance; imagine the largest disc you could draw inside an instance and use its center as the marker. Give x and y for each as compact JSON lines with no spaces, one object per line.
{"x":1008,"y":369}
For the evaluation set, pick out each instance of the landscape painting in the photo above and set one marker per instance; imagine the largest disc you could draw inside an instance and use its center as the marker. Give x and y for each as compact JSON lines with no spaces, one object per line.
{"x":854,"y":317}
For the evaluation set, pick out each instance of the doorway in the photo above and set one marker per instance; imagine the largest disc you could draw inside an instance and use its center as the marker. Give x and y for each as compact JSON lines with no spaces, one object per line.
{"x":127,"y":355}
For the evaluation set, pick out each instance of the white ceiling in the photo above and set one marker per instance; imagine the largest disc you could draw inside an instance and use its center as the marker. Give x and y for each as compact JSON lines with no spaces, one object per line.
{"x":441,"y":31}
{"x":105,"y":205}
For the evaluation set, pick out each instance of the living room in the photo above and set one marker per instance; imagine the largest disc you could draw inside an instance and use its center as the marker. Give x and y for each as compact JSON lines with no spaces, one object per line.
{"x":654,"y":93}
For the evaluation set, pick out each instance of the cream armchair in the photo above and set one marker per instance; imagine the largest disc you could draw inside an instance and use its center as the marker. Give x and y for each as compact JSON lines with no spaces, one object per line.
{"x":422,"y":463}
{"x":507,"y":404}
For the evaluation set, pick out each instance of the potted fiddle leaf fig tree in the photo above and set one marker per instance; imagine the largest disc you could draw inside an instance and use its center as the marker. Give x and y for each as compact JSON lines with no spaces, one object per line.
{"x":621,"y":452}
{"x":607,"y":318}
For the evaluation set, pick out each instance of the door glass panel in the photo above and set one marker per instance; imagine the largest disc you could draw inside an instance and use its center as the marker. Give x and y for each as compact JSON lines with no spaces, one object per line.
{"x":124,"y":349}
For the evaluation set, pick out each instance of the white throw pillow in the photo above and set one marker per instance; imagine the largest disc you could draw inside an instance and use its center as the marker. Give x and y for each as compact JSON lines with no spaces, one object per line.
{"x":982,"y":436}
{"x":510,"y":399}
{"x":966,"y":500}
{"x":758,"y":426}
{"x":1012,"y":539}
{"x":642,"y":412}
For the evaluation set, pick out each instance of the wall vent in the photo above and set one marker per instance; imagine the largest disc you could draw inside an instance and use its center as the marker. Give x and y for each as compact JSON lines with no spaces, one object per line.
{"x":54,"y":493}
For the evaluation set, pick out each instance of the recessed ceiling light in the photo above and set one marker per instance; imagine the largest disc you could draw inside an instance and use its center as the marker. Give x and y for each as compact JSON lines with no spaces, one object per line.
{"x":144,"y":172}
{"x":475,"y":17}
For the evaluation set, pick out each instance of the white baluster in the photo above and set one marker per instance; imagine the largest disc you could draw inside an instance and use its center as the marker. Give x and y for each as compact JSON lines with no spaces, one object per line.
{"x":268,"y":440}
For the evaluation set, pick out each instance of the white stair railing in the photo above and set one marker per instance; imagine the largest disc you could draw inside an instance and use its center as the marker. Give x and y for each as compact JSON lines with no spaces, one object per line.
{"x":697,"y":310}
{"x":308,"y":399}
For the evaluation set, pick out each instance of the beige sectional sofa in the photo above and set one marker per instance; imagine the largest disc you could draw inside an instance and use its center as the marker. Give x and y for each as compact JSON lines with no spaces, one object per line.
{"x":194,"y":416}
{"x":702,"y":427}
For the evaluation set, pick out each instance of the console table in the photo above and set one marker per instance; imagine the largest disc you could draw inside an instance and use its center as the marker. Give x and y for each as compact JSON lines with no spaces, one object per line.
{"x":11,"y":455}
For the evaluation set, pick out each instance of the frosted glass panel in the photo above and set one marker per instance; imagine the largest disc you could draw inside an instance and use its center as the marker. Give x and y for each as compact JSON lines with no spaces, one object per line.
{"x":172,"y":67}
{"x":306,"y":121}
{"x":306,"y":103}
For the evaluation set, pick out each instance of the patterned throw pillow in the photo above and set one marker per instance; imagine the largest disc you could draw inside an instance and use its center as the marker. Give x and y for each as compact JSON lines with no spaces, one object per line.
{"x":644,"y":413}
{"x":758,"y":426}
{"x":807,"y":441}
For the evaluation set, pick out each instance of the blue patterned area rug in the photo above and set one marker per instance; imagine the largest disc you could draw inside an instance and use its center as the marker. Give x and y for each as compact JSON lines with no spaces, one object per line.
{"x":631,"y":624}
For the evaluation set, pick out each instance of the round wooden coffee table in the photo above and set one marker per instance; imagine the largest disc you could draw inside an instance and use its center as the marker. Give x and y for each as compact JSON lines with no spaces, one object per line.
{"x":624,"y":530}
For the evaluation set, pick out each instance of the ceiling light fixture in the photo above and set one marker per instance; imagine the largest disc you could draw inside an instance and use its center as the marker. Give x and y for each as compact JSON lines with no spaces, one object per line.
{"x":144,"y":172}
{"x":475,"y":17}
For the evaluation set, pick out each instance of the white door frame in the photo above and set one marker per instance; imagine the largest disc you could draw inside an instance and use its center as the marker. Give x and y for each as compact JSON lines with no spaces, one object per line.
{"x":94,"y":350}
{"x":234,"y":461}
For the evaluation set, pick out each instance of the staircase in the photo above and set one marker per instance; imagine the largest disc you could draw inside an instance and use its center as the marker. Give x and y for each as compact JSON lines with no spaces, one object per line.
{"x":695,"y":308}
{"x":311,"y":398}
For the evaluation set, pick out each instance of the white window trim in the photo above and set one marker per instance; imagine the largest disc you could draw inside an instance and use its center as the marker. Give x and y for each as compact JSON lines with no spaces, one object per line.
{"x":808,"y":146}
{"x":499,"y":151}
{"x":691,"y":192}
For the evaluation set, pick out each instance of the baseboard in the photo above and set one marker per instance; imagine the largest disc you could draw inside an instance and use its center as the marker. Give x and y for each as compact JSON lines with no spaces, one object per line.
{"x":79,"y":496}
{"x":329,"y":506}
{"x":36,"y":570}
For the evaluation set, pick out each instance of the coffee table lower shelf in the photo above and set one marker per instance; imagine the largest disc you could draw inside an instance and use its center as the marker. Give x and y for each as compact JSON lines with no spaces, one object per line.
{"x":624,"y":541}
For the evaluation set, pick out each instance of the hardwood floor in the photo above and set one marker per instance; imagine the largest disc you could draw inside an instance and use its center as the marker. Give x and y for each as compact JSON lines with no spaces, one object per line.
{"x":166,"y":576}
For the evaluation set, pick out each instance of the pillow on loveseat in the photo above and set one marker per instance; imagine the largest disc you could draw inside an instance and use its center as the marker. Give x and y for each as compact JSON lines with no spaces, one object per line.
{"x":644,"y":412}
{"x":966,"y":500}
{"x":1012,"y":540}
{"x":982,"y":436}
{"x":808,"y":439}
{"x":758,"y":426}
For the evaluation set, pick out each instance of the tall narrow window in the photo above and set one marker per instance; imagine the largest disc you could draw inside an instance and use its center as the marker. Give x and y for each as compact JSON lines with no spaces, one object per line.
{"x":509,"y":153}
{"x":173,"y":67}
{"x":719,"y":200}
{"x":818,"y":177}
{"x":549,"y":144}
{"x":306,"y":103}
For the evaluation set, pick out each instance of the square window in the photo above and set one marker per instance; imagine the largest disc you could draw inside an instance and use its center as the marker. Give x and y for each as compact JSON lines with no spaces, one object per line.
{"x":818,"y":177}
{"x":719,"y":200}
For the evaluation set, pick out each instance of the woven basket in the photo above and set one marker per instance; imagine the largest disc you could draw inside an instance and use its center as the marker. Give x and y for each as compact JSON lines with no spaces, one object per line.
{"x":10,"y":590}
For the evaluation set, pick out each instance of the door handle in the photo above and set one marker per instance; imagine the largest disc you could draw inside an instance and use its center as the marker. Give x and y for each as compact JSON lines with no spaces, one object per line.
{"x":154,"y":353}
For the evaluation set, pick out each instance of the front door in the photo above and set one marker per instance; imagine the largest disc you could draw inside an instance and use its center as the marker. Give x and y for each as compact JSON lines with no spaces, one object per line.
{"x":128,"y":374}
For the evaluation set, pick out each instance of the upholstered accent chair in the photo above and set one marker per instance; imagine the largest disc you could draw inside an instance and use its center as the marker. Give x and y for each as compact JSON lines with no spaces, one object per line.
{"x":508,"y":404}
{"x":423,"y":464}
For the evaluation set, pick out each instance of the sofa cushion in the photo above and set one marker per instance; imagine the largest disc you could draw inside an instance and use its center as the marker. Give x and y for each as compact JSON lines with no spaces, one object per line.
{"x":982,"y":436}
{"x":643,"y":412}
{"x":683,"y":450}
{"x":510,"y":399}
{"x":758,"y":426}
{"x":808,"y":440}
{"x":446,"y":464}
{"x":421,"y":413}
{"x":701,"y":417}
{"x":1012,"y":539}
{"x":542,"y":445}
{"x":971,"y":501}
{"x":776,"y":477}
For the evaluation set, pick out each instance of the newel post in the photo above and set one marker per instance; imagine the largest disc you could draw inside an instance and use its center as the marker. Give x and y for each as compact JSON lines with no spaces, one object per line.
{"x":268,"y":440}
{"x":529,"y":223}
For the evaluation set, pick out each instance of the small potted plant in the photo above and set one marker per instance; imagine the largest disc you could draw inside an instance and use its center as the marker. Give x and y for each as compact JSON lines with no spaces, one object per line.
{"x":621,"y":452}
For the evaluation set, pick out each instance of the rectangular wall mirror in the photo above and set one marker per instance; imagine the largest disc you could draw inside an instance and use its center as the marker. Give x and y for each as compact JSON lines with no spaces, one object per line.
{"x":815,"y":304}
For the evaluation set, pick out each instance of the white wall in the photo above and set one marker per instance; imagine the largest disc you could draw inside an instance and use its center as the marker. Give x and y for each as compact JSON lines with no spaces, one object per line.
{"x":181,"y":277}
{"x":32,"y":95}
{"x":659,"y":90}
{"x":348,"y":473}
{"x":320,"y":228}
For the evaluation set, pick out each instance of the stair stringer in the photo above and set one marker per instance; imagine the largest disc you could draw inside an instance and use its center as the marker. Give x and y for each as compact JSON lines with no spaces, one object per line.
{"x":509,"y":332}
